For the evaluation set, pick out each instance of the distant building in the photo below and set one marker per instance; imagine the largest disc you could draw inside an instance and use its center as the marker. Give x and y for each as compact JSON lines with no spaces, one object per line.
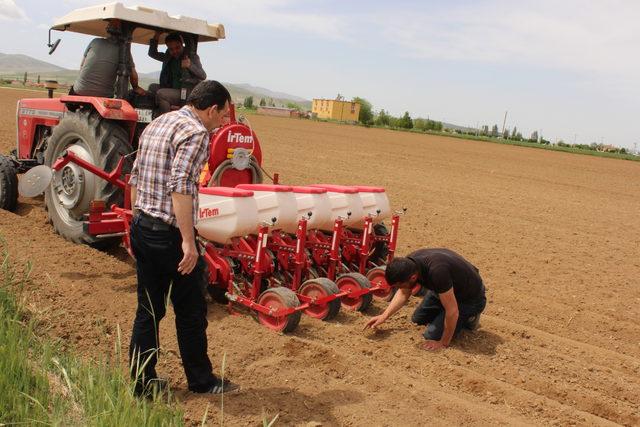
{"x":278,"y":111}
{"x":334,"y":109}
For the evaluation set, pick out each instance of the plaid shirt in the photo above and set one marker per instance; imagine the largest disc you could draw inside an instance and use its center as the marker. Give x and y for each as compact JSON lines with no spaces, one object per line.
{"x":172,"y":151}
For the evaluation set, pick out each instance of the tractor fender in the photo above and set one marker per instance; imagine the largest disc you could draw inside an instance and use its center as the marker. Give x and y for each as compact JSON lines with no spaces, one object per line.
{"x":109,"y":108}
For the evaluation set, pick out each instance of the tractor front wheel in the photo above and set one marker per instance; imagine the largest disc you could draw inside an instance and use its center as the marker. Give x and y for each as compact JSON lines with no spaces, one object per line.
{"x":8,"y":184}
{"x":98,"y":141}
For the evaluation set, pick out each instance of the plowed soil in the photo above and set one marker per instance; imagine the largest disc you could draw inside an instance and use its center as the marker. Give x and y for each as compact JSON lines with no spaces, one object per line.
{"x":556,"y":237}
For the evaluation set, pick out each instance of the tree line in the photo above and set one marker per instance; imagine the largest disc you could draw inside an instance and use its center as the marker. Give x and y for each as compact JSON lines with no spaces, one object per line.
{"x":383,"y":118}
{"x":367,"y":117}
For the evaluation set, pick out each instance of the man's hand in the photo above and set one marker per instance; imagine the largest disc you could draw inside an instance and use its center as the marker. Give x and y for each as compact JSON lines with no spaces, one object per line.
{"x":431,"y":345}
{"x":375,"y":321}
{"x":186,"y":63}
{"x":139,"y":91}
{"x":156,"y":36}
{"x":189,"y":259}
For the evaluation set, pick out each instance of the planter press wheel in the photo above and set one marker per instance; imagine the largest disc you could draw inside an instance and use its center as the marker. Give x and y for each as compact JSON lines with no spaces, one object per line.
{"x":279,"y":298}
{"x":321,"y":288}
{"x":376,"y":277}
{"x":352,"y":282}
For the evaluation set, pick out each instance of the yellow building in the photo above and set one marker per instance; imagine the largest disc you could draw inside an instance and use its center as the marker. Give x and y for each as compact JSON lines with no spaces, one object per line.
{"x":334,"y":109}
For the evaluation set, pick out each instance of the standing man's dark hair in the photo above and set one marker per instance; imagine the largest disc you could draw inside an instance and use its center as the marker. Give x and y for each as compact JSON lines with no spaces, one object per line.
{"x":173,"y":150}
{"x":207,"y":94}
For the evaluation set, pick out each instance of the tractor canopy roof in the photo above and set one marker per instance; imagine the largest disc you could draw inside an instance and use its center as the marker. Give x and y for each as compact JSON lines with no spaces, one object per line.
{"x":92,"y":20}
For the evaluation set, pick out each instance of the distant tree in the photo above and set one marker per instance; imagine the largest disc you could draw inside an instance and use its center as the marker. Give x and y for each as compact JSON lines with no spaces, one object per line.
{"x":505,"y":134}
{"x":514,"y":133}
{"x":38,"y":78}
{"x":534,"y":136}
{"x":427,"y":124}
{"x":294,"y":106}
{"x":383,"y":118}
{"x":494,"y":131}
{"x":518,"y":136}
{"x":24,"y":79}
{"x":271,"y":103}
{"x":263,"y":103}
{"x":405,"y":121}
{"x":485,"y":130}
{"x":248,"y":102}
{"x":366,"y":111}
{"x":421,"y":124}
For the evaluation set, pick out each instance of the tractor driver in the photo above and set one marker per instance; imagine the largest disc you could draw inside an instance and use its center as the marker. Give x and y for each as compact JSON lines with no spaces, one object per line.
{"x":455,"y":294}
{"x":99,"y":67}
{"x":176,"y":63}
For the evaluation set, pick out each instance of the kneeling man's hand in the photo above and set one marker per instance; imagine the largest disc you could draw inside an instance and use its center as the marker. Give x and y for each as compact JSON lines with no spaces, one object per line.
{"x":375,"y":321}
{"x":431,"y":345}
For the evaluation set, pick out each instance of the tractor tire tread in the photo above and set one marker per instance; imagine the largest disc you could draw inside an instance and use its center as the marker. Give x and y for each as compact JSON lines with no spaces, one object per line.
{"x":107,"y":141}
{"x":8,"y":184}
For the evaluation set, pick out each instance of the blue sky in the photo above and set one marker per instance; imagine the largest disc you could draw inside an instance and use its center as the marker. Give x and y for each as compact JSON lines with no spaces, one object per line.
{"x":568,"y":69}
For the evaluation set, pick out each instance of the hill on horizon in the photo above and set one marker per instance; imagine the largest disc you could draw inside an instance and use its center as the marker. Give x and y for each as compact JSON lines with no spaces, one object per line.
{"x":13,"y":66}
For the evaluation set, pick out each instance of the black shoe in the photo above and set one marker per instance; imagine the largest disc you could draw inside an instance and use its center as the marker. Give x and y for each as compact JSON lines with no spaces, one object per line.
{"x":152,"y":387}
{"x":473,"y":322}
{"x":221,"y":387}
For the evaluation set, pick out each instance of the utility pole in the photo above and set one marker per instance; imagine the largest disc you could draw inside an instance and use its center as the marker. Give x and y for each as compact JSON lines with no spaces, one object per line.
{"x":504,"y":122}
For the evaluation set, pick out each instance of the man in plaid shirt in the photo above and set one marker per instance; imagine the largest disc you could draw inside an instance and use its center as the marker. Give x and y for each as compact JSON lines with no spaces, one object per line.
{"x":172,"y":152}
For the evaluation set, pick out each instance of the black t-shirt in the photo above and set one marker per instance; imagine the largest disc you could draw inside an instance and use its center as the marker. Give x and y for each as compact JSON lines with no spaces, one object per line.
{"x":441,"y":269}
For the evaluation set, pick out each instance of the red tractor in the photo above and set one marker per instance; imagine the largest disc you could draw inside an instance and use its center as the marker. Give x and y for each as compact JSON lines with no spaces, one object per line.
{"x":101,"y":131}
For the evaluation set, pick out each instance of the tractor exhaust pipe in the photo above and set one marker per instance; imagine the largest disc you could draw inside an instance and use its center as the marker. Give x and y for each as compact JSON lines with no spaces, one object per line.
{"x":51,"y":85}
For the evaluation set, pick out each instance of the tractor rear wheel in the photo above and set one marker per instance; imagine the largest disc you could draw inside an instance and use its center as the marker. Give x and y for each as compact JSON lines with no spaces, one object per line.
{"x":276,"y":299}
{"x":98,"y":141}
{"x":354,"y":282}
{"x":8,"y":184}
{"x":321,"y":288}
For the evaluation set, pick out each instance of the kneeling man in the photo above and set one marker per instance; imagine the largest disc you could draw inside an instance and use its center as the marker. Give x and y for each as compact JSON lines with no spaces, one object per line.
{"x":454,"y":299}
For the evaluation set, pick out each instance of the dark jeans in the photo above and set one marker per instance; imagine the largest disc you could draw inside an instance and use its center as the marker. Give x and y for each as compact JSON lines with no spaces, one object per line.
{"x":431,"y":312}
{"x":158,"y":253}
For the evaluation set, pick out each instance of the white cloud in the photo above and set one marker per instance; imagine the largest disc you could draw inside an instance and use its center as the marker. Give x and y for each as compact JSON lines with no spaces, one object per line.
{"x":280,"y":14}
{"x":571,"y":35}
{"x":10,"y":11}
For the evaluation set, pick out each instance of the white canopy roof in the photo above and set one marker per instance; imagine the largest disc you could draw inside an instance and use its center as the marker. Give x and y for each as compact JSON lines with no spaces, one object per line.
{"x":91,"y":20}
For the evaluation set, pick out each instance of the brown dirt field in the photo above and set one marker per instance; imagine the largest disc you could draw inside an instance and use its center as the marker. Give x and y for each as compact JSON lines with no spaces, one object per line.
{"x":555,"y":235}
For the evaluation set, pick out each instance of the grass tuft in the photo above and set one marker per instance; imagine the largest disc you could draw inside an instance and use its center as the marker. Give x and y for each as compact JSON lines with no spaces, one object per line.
{"x":42,"y":384}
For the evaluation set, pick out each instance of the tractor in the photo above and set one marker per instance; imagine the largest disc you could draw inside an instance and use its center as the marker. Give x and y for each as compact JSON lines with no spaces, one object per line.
{"x":103,"y":131}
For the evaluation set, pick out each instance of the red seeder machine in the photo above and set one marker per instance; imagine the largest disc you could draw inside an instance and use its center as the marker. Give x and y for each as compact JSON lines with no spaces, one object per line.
{"x":276,"y":250}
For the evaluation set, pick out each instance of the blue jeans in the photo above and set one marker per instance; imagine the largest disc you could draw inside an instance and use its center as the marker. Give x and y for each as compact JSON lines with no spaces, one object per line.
{"x":431,"y":312}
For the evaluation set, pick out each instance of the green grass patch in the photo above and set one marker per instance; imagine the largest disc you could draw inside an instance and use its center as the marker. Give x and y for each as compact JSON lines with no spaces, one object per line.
{"x":40,"y":384}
